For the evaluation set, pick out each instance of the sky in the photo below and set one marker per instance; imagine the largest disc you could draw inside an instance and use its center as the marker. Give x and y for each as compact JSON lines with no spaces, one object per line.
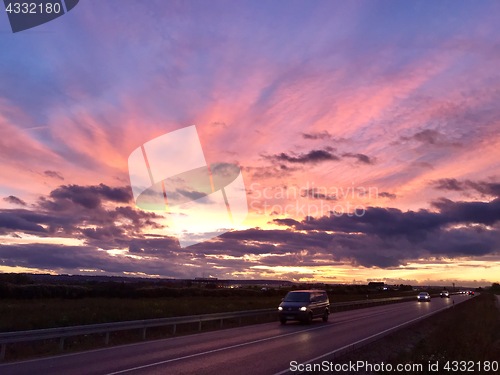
{"x":366,"y":133}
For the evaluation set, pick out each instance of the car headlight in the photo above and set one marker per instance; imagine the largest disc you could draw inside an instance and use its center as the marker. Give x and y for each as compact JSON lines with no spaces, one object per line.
{"x":280,"y":308}
{"x":303,"y":308}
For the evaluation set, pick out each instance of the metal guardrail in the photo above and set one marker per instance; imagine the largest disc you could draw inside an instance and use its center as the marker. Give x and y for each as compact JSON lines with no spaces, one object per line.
{"x":106,"y":328}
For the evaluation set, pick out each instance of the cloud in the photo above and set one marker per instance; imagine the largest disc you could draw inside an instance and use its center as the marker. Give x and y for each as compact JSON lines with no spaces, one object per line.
{"x":85,"y":213}
{"x":316,"y":193}
{"x":85,"y":196}
{"x":14,"y":200}
{"x":487,"y":213}
{"x":362,"y":158}
{"x":75,"y":259}
{"x":317,"y":135}
{"x":430,"y":137}
{"x":311,"y":157}
{"x":385,"y":194}
{"x":21,"y":220}
{"x":54,"y":174}
{"x":483,"y":187}
{"x":387,"y":236}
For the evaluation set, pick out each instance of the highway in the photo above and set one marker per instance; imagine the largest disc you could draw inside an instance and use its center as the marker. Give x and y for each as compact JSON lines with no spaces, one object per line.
{"x":257,"y":349}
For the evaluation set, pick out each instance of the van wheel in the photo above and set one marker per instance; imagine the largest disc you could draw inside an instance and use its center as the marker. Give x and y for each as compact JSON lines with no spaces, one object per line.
{"x":325,"y":316}
{"x":283,"y":321}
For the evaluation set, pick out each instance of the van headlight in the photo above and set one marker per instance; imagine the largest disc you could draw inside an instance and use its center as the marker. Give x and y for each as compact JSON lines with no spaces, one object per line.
{"x":280,"y":308}
{"x":303,"y":308}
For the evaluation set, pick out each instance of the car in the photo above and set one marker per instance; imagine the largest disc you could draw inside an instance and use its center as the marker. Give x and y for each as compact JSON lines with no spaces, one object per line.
{"x":424,"y":296}
{"x":444,"y":293}
{"x":470,"y":293}
{"x":304,"y":306}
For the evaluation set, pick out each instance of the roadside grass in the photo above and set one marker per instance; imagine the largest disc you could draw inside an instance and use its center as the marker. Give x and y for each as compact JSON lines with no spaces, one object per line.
{"x":28,"y":314}
{"x":469,"y":332}
{"x":36,"y":314}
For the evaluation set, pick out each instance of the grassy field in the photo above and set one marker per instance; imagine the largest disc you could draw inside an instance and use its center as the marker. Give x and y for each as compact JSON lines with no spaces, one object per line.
{"x":46,"y":313}
{"x":26,"y":314}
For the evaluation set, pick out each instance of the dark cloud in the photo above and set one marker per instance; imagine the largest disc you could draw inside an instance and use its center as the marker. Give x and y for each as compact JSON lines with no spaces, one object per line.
{"x":486,"y":213}
{"x":54,"y":174}
{"x":482,"y":187}
{"x":317,"y":193}
{"x":430,"y":137}
{"x":21,"y":220}
{"x":385,"y":237}
{"x":318,"y":156}
{"x":362,"y":158}
{"x":86,"y":196}
{"x":74,"y":259}
{"x":385,"y":194}
{"x":272,"y":171}
{"x":319,"y":135}
{"x":80,"y":212}
{"x":448,"y":184}
{"x":14,"y":200}
{"x":312,"y":157}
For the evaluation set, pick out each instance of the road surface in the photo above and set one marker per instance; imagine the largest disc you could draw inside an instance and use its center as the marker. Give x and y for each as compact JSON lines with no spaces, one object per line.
{"x":258,"y":349}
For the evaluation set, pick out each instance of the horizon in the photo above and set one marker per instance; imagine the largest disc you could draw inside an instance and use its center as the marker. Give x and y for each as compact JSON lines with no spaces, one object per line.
{"x":471,"y":284}
{"x":366,"y":135}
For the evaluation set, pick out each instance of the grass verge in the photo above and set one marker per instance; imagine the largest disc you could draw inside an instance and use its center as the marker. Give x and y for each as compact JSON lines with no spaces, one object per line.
{"x":468,"y":333}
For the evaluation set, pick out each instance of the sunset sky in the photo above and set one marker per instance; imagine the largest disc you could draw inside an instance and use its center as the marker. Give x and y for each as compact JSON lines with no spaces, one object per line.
{"x":367,"y":134}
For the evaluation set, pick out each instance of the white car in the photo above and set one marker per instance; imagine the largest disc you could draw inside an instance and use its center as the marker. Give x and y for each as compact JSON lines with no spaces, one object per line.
{"x":424,"y":296}
{"x":445,"y":293}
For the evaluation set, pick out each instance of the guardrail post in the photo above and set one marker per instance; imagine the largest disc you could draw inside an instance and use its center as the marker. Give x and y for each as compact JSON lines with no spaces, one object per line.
{"x":2,"y":352}
{"x":199,"y":326}
{"x":61,"y":344}
{"x":144,"y":333}
{"x":221,"y":322}
{"x":106,"y":339}
{"x":173,"y":330}
{"x":239,"y":321}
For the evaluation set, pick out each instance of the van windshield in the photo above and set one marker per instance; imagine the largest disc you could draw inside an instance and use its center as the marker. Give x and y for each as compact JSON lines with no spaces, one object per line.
{"x":297,"y":297}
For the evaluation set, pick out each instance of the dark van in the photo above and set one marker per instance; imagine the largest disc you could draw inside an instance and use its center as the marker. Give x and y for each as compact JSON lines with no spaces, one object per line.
{"x":304,"y":305}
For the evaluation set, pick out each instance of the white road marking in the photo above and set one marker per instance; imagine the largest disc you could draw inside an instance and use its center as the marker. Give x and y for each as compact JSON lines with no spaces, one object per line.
{"x":215,"y":350}
{"x":259,"y":341}
{"x":365,"y":339}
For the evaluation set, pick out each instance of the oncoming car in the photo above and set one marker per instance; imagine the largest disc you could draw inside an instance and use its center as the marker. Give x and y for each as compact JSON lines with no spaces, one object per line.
{"x":445,"y":293}
{"x":424,"y":296}
{"x":304,"y":305}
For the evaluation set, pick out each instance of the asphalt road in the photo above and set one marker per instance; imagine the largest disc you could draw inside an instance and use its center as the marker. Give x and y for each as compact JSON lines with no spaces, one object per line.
{"x":257,"y":349}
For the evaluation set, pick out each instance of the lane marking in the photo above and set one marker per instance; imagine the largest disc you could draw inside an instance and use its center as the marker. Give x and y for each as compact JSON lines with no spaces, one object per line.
{"x":365,"y":339}
{"x":215,"y":350}
{"x":257,"y":341}
{"x":159,"y":341}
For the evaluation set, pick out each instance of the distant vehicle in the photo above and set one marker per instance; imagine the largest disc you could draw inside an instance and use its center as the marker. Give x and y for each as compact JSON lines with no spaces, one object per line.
{"x":470,"y":292}
{"x":444,"y":293}
{"x":304,"y":305}
{"x":424,"y":296}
